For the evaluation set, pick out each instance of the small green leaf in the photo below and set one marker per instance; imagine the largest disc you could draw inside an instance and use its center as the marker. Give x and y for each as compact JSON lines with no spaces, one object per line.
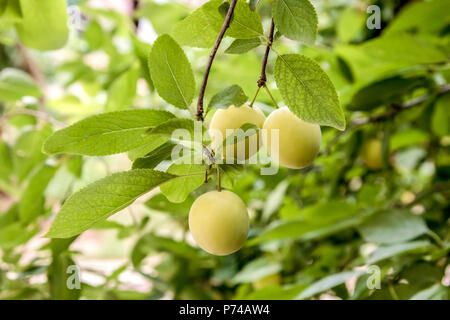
{"x":27,"y":152}
{"x":156,"y":141}
{"x":160,"y":203}
{"x":350,"y":23}
{"x":246,"y":24}
{"x":382,"y":56}
{"x":167,"y":128}
{"x":314,"y":222}
{"x":153,"y":158}
{"x":107,"y":133}
{"x":233,"y":95}
{"x":171,"y":72}
{"x":386,"y":91}
{"x":191,"y":177}
{"x":435,"y":292}
{"x":122,"y":91}
{"x":327,"y":283}
{"x":440,"y":120}
{"x":422,"y":16}
{"x":15,"y":84}
{"x":103,"y":198}
{"x":392,"y":226}
{"x":256,"y":269}
{"x":32,"y":200}
{"x":384,"y":252}
{"x":197,"y":30}
{"x":239,"y":46}
{"x":44,"y":25}
{"x":245,"y":131}
{"x":296,"y":19}
{"x":10,"y":11}
{"x":308,"y":91}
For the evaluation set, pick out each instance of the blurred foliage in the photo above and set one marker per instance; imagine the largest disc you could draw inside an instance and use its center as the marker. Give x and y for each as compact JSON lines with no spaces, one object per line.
{"x":313,"y":231}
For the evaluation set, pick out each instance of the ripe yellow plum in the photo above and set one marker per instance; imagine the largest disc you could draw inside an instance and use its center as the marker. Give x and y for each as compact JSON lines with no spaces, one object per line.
{"x":372,"y":154}
{"x":298,"y":141}
{"x":226,"y":122}
{"x":219,"y":222}
{"x":270,"y":280}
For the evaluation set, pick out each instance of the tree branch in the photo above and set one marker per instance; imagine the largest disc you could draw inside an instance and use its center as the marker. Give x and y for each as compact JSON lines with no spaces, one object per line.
{"x":225,"y":25}
{"x":263,"y":78}
{"x":397,"y":108}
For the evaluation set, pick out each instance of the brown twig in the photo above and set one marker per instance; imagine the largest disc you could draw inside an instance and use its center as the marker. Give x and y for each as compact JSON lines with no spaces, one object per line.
{"x":225,"y":25}
{"x":263,"y":78}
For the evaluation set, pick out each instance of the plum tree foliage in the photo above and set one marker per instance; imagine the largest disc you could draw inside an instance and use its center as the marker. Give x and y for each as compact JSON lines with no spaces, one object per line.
{"x":94,"y":109}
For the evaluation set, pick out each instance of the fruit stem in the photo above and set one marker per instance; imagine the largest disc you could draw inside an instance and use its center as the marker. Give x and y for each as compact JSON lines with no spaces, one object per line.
{"x":271,"y":96}
{"x":225,"y":25}
{"x":219,"y":187}
{"x":254,"y":98}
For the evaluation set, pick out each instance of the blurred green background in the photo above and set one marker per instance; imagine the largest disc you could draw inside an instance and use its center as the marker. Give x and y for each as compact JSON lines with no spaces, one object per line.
{"x":323,"y":232}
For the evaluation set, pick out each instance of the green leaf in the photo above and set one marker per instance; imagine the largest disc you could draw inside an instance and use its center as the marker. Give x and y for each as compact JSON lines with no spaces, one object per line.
{"x":122,"y":91}
{"x":327,"y":283}
{"x":296,"y":19}
{"x":423,"y":16}
{"x":308,"y":91}
{"x":160,"y":203}
{"x":171,"y":72}
{"x":107,"y":133}
{"x":6,"y":160}
{"x":440,"y":120}
{"x":275,"y":199}
{"x":239,"y":46}
{"x":315,"y":222}
{"x":15,"y":84}
{"x":233,"y":95}
{"x":27,"y":152}
{"x":156,"y":141}
{"x":168,"y":127}
{"x":44,"y":25}
{"x":392,"y":226}
{"x":14,"y":234}
{"x":153,"y":158}
{"x":256,"y":269}
{"x":275,"y":293}
{"x":435,"y":292}
{"x":10,"y":11}
{"x":246,"y":24}
{"x":103,"y":198}
{"x":151,"y":243}
{"x":32,"y":199}
{"x":385,"y":252}
{"x":191,"y":177}
{"x":383,"y":56}
{"x":386,"y":91}
{"x":407,"y":138}
{"x":197,"y":29}
{"x":351,"y":22}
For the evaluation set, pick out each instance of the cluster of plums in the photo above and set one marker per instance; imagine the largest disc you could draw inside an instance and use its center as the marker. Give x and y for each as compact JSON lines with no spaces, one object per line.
{"x":218,"y":220}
